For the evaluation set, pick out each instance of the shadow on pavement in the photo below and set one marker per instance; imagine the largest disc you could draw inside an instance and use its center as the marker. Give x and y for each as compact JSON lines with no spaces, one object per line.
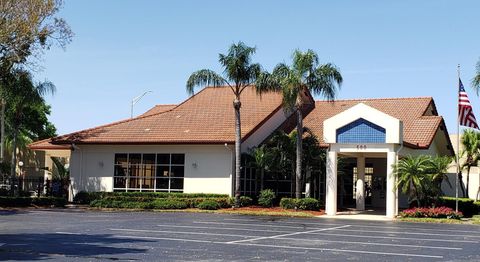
{"x":52,"y":245}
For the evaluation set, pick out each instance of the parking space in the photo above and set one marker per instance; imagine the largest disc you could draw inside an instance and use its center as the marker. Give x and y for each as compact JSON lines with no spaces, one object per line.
{"x":68,"y":235}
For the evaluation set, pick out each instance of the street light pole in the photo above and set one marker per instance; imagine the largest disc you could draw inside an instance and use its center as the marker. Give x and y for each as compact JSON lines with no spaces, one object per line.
{"x":135,"y":101}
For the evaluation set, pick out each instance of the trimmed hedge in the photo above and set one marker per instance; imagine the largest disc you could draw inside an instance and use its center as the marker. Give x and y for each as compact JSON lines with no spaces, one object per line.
{"x":432,"y":212}
{"x":6,"y":201}
{"x":302,"y":204}
{"x":157,"y":203}
{"x":465,"y":205}
{"x":209,"y":205}
{"x":87,"y":197}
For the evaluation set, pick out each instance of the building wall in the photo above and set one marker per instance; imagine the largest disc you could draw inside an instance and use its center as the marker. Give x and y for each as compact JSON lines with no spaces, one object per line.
{"x":264,"y":131}
{"x":207,"y":167}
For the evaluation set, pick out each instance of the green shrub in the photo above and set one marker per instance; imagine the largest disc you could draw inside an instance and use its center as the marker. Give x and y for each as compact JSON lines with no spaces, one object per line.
{"x":308,"y":204}
{"x":28,"y":201}
{"x":266,"y":198}
{"x":169,"y":204}
{"x":209,"y":205}
{"x":465,"y":205}
{"x":87,"y":197}
{"x":8,"y":201}
{"x":245,"y":201}
{"x":288,"y":203}
{"x":302,"y":204}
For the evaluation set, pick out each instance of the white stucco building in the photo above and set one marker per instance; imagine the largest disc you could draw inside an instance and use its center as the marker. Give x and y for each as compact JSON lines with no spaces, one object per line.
{"x":189,"y":147}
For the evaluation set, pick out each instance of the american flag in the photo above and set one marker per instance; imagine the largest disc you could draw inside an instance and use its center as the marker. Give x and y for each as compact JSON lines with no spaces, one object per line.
{"x":465,"y":112}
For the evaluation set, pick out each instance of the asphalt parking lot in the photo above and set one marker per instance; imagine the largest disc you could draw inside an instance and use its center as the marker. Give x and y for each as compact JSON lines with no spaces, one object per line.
{"x":79,"y":235}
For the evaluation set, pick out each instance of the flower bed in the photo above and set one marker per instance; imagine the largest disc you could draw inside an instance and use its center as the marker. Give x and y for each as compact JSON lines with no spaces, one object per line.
{"x":431,"y":212}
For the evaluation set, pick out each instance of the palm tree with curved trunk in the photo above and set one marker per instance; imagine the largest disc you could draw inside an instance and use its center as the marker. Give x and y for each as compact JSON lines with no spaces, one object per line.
{"x":471,"y":144}
{"x":239,"y":73}
{"x":305,"y":74}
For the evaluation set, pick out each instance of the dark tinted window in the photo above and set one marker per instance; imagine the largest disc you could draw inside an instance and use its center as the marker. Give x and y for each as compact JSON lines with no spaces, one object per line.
{"x":163,"y":159}
{"x":178,"y":159}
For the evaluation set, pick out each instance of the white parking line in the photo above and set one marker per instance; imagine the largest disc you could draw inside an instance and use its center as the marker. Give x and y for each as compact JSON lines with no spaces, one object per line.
{"x":168,"y":238}
{"x":342,"y":250}
{"x":285,"y":235}
{"x":400,"y":238}
{"x":284,"y":247}
{"x":286,"y":238}
{"x":406,"y":233}
{"x":226,"y":228}
{"x":369,"y":243}
{"x":256,"y":225}
{"x":356,"y":225}
{"x":179,"y":232}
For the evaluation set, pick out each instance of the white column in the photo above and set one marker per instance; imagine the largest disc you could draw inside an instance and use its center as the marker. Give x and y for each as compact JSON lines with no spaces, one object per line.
{"x":331,"y":184}
{"x":360,"y":184}
{"x":391,"y":189}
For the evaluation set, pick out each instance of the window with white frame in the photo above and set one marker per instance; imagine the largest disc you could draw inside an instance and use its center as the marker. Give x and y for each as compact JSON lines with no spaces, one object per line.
{"x":149,"y":172}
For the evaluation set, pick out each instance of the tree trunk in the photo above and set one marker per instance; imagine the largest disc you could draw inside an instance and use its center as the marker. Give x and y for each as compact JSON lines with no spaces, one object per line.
{"x":460,"y":180}
{"x":2,"y":131}
{"x":238,"y":140}
{"x":298,"y":169}
{"x":14,"y":162}
{"x":468,"y":182}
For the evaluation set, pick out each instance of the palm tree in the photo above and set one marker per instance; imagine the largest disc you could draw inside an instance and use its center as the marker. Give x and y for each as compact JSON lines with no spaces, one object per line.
{"x":471,"y":144}
{"x":411,"y":177}
{"x":239,"y":73}
{"x":476,"y":79}
{"x":438,"y":169}
{"x":22,"y":95}
{"x":305,"y":74}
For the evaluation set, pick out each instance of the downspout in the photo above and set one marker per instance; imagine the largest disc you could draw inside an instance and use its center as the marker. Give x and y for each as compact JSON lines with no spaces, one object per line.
{"x":74,"y":147}
{"x":396,"y":164}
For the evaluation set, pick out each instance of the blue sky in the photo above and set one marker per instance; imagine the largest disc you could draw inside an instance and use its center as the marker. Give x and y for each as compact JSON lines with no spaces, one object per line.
{"x":383,"y":48}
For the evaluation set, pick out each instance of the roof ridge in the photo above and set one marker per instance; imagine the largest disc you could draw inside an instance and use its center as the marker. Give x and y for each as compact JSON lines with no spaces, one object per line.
{"x":373,"y":99}
{"x":125,"y":120}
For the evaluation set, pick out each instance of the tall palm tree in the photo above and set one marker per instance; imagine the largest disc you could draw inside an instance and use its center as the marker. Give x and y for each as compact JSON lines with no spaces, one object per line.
{"x":476,"y":79}
{"x":471,"y":145}
{"x":412,"y":177}
{"x":239,"y":73}
{"x":21,"y":95}
{"x":305,"y":74}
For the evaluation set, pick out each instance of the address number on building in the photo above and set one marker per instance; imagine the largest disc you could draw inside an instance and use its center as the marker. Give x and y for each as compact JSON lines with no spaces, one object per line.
{"x":361,"y":147}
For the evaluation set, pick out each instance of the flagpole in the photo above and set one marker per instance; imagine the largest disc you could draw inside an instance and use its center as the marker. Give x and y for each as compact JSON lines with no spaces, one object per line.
{"x":458,"y":145}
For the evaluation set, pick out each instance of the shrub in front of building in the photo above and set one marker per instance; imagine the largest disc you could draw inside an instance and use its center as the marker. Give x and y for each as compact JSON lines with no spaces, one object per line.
{"x":302,"y":204}
{"x":87,"y":197}
{"x":465,"y":205}
{"x":266,"y":198}
{"x":10,"y":201}
{"x":432,"y":212}
{"x":209,"y":205}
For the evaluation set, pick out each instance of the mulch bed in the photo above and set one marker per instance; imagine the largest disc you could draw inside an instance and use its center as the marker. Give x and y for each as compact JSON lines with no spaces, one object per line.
{"x":274,"y":210}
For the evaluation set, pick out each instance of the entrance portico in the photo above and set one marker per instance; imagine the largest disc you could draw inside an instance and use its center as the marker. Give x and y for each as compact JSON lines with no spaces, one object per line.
{"x":362,"y":132}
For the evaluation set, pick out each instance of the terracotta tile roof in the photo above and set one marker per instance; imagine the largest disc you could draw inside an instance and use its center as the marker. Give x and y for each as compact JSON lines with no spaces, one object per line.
{"x":419,"y":125}
{"x":47,"y":145}
{"x":158,"y":109}
{"x":207,"y":117}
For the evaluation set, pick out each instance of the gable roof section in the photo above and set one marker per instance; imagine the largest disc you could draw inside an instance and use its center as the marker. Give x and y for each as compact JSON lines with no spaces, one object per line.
{"x":205,"y":118}
{"x":158,"y":109}
{"x":419,"y":128}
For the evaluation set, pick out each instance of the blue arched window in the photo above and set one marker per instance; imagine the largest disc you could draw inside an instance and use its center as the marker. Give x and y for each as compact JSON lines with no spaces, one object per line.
{"x":361,"y":131}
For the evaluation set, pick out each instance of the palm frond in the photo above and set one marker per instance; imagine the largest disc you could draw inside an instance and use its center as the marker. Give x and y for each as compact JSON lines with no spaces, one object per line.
{"x":326,"y":81}
{"x":476,"y":79}
{"x":204,"y":77}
